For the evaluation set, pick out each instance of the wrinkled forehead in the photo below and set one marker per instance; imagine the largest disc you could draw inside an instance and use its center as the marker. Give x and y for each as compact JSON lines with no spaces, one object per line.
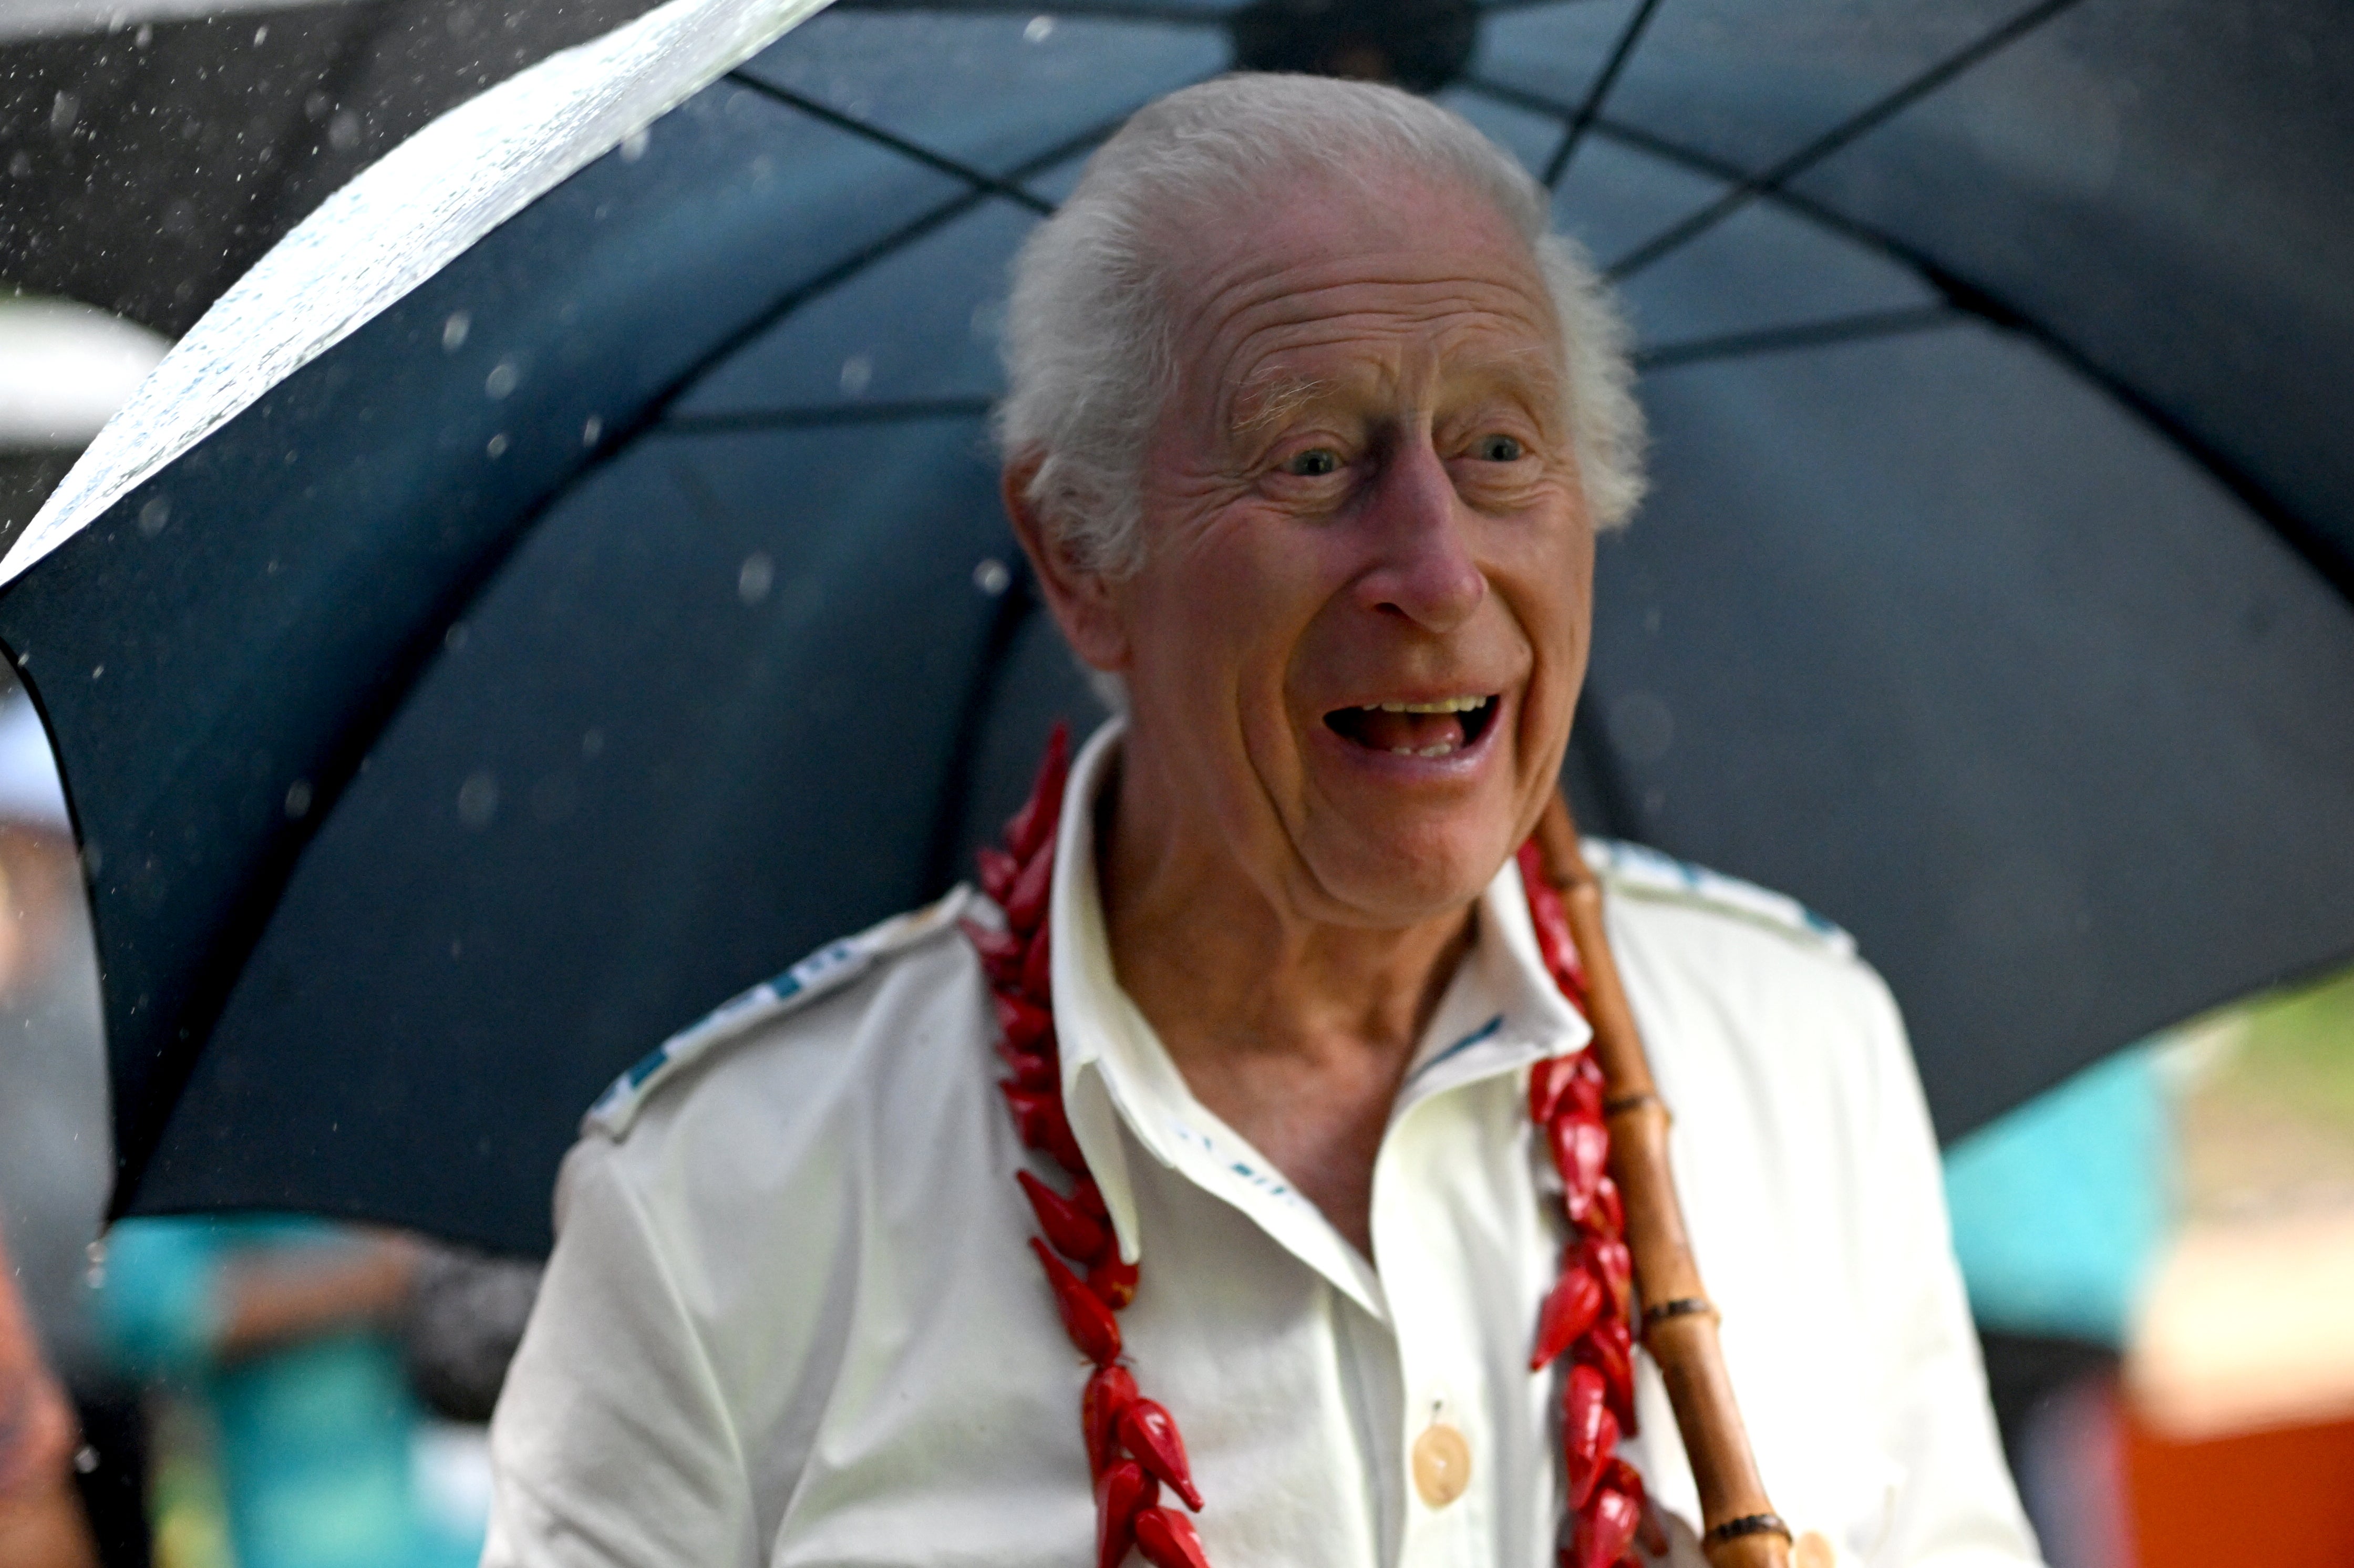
{"x":1381,"y":282}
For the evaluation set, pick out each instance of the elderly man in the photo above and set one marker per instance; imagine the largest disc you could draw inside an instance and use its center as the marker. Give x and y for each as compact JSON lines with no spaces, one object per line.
{"x":1308,"y":430}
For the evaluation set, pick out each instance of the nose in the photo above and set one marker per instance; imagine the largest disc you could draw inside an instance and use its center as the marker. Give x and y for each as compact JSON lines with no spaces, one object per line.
{"x":1423,"y":567}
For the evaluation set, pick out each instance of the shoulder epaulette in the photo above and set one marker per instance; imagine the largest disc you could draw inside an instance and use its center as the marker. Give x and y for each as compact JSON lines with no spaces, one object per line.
{"x":1645,"y":872}
{"x":826,"y":970}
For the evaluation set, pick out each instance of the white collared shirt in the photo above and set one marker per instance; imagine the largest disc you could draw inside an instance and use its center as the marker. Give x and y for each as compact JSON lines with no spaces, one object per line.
{"x":791,"y":1317}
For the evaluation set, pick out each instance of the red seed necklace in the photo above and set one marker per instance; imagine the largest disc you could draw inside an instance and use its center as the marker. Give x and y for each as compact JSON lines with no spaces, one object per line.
{"x":1132,"y":1443}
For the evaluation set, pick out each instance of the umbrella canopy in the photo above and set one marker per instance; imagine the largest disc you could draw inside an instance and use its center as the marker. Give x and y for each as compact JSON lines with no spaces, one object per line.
{"x":564,"y":581}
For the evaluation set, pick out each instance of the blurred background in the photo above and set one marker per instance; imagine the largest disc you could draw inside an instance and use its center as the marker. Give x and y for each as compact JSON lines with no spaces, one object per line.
{"x":2158,"y":1250}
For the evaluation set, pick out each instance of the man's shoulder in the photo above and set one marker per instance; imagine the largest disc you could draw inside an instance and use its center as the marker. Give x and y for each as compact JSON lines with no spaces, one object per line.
{"x":1731,"y":938}
{"x":794,"y":1023}
{"x":1650,"y":879}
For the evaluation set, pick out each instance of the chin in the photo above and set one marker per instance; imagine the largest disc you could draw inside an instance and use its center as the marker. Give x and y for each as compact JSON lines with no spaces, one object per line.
{"x":1404,"y":878}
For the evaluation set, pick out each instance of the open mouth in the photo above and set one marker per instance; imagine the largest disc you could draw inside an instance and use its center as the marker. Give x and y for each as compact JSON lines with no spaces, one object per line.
{"x":1436,"y":728}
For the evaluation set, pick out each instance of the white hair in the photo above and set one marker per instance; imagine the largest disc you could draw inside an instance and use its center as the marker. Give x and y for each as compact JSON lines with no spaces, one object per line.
{"x":1088,"y":359}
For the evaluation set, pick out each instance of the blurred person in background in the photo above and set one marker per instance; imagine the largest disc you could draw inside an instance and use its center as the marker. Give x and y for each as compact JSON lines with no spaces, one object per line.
{"x":41,"y":1523}
{"x":276,"y":1343}
{"x":54,"y":1151}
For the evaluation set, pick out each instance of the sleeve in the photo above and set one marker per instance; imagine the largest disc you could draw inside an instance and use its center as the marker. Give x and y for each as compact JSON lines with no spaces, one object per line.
{"x":1956,"y":1507}
{"x":613,"y":1442}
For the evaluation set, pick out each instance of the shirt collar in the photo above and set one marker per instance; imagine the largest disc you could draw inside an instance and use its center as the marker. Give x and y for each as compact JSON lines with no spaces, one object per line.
{"x":1500,"y":1012}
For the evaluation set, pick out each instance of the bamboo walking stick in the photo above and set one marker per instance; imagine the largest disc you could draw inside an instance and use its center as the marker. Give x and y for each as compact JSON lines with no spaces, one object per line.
{"x":1678,"y":1325}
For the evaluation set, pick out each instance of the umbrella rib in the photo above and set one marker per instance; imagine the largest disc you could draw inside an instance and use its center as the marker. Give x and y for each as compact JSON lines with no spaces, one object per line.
{"x":898,"y":239}
{"x":1684,"y":231}
{"x":1805,"y":334}
{"x":1582,"y":120}
{"x":917,"y":151}
{"x":2318,"y":550}
{"x":819,"y":416}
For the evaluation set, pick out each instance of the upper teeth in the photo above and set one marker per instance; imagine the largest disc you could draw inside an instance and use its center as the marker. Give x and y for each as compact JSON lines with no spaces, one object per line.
{"x":1442,"y":705}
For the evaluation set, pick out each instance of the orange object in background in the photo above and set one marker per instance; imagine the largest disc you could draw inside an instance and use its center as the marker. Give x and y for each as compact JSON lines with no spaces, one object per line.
{"x":2279,"y":1498}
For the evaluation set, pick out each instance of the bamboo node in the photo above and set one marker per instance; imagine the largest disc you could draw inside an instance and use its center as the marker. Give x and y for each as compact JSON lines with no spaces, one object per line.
{"x":1619,"y":1105}
{"x":1680,"y":1306}
{"x":1747,"y":1524}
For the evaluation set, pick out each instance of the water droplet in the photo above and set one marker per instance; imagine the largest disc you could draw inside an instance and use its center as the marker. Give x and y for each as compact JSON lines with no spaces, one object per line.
{"x":64,"y":109}
{"x":592,"y":744}
{"x":478,"y":799}
{"x":755,"y":579}
{"x":992,"y":577}
{"x":298,"y":800}
{"x":496,"y":446}
{"x":85,"y":1456}
{"x":857,"y":375}
{"x":144,"y":36}
{"x":262,"y":33}
{"x":1040,"y":29}
{"x":96,"y":670}
{"x":154,"y":514}
{"x":454,"y":331}
{"x":343,"y":131}
{"x":633,"y":145}
{"x":593,"y":430}
{"x":501,"y":379}
{"x":455,"y":637}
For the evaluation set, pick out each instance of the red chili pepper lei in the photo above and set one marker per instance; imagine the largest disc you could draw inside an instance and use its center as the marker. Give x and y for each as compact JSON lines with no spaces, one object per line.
{"x":1609,"y":1348}
{"x":1113,"y":1280}
{"x":1607,"y":1526}
{"x":1038,"y":970}
{"x":1042,"y":813}
{"x":1575,"y":1306}
{"x":997,"y":870}
{"x":1607,"y":1258}
{"x":1148,"y":1431}
{"x":1022,"y":1022}
{"x":1167,"y":1540}
{"x":1132,"y":1443}
{"x":1025,"y":901}
{"x":1001,"y":952}
{"x":1588,"y":1431}
{"x":1580,"y":1148}
{"x":1077,"y":1235}
{"x":1108,"y":1395}
{"x":1086,"y":1319}
{"x":1038,"y":1118}
{"x":1122,"y":1492}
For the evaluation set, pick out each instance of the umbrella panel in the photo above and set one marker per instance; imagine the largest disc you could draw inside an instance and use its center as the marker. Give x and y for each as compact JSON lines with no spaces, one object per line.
{"x":291,"y":572}
{"x":683,"y":739}
{"x":994,"y":90}
{"x":919,"y":326}
{"x":2163,"y":189}
{"x":1919,"y":631}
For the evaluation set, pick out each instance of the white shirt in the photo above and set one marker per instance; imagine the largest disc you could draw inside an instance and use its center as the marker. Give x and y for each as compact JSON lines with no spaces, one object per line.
{"x":791,"y":1317}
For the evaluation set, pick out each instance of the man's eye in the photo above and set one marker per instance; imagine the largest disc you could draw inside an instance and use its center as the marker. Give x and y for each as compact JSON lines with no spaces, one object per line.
{"x":1313,"y":463}
{"x":1499,"y":449}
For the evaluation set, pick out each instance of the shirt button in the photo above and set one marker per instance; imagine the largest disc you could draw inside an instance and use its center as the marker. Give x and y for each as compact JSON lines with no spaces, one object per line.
{"x":1442,"y":1464}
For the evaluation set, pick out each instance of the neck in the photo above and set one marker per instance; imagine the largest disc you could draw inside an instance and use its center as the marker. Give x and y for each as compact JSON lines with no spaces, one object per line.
{"x":1296,"y":1032}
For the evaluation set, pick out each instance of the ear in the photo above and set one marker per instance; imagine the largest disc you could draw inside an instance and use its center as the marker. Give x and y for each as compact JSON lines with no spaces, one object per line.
{"x":1081,"y":599}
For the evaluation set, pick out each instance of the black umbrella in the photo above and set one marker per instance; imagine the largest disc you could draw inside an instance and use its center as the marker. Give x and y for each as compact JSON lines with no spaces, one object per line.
{"x":624,"y":608}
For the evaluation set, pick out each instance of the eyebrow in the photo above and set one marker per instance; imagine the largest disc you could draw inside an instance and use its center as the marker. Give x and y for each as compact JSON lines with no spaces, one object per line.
{"x":1270,"y":398}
